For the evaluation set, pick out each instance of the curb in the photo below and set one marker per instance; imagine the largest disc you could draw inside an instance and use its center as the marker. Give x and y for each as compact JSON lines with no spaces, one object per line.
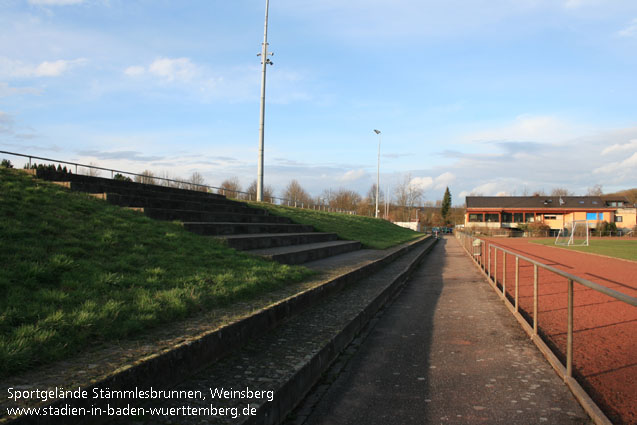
{"x":167,"y":367}
{"x":296,"y":389}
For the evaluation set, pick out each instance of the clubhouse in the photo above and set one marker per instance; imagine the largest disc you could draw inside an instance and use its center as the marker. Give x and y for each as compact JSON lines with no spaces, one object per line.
{"x":557,"y":212}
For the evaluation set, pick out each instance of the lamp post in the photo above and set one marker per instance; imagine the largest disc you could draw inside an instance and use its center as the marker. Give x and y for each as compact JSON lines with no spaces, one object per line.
{"x":377,"y":173}
{"x":265,"y":60}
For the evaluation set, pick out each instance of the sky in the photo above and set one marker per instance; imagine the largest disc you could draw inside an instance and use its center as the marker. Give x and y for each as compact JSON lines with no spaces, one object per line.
{"x":487,"y":97}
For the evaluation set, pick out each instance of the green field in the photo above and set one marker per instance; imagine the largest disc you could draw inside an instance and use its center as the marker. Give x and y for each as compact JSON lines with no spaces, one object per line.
{"x":618,"y":248}
{"x":78,"y":271}
{"x":371,"y":232}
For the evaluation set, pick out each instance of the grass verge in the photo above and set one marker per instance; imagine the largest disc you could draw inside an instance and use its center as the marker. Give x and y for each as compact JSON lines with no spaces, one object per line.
{"x":78,"y":271}
{"x":617,"y":248}
{"x":371,"y":232}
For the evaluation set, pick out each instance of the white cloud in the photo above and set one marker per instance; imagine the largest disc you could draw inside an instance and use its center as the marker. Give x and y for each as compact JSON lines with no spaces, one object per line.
{"x":134,"y":71}
{"x":169,"y":70}
{"x":55,"y":2}
{"x":630,"y":30}
{"x":352,"y":175}
{"x":423,"y":183}
{"x":525,"y":127}
{"x":17,"y":69}
{"x":619,"y":147}
{"x":427,"y":183}
{"x":620,"y":167}
{"x":180,"y":69}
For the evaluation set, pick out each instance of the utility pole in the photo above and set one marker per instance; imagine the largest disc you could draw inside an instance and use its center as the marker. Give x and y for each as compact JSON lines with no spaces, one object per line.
{"x":265,"y":60}
{"x":377,"y":173}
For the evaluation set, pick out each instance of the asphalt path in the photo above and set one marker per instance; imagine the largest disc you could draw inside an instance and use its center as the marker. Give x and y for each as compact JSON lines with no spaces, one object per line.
{"x":446,"y":350}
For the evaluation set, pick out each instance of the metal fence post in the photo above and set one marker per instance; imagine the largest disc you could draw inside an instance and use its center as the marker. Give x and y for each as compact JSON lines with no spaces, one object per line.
{"x":489,"y":261}
{"x":535,"y":296}
{"x":495,"y":266}
{"x":569,"y":332}
{"x":504,"y":274}
{"x":517,"y":281}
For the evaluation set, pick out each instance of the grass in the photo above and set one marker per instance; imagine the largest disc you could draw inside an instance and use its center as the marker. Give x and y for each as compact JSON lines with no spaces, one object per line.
{"x":78,"y":271}
{"x":618,"y":248}
{"x":371,"y":232}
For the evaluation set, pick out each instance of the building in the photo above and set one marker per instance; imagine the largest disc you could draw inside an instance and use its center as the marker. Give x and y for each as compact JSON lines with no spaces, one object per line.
{"x":498,"y":212}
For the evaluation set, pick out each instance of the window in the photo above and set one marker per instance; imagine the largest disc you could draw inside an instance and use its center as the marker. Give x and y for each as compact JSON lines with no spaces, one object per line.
{"x":530,"y":218}
{"x":518,"y":217}
{"x":550,"y":217}
{"x":592,"y":216}
{"x":491,"y":218}
{"x":619,"y":219}
{"x":476,"y":218}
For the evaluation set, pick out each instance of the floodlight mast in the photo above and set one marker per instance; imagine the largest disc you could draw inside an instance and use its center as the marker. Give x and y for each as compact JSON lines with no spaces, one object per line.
{"x":377,"y":173}
{"x":265,"y":60}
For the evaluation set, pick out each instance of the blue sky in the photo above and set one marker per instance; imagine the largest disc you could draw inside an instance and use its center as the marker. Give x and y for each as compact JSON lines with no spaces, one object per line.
{"x":483,"y":96}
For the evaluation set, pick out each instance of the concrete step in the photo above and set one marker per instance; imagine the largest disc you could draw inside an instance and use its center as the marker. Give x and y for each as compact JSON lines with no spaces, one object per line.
{"x":298,"y":254}
{"x":161,"y":203}
{"x":271,"y":240}
{"x":213,"y":229}
{"x":79,"y":179}
{"x":212,"y":216}
{"x":143,"y":190}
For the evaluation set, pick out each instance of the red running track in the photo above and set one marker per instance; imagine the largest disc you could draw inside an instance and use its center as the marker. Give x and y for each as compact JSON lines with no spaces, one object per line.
{"x":605,"y":329}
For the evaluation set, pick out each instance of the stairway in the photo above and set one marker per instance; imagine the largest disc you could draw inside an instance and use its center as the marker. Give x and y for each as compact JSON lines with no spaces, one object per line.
{"x":242,"y":227}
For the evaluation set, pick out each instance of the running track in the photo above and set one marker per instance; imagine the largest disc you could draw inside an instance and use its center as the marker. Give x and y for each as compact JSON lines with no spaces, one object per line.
{"x":605,"y":329}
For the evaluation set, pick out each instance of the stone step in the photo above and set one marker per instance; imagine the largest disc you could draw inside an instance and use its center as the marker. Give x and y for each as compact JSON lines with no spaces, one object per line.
{"x":146,"y":191}
{"x":298,"y":254}
{"x":271,"y":240}
{"x":214,"y":229}
{"x":161,"y":203}
{"x":212,"y":216}
{"x":80,"y":179}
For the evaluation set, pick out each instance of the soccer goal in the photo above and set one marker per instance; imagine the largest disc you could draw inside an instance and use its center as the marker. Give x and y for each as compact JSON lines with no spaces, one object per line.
{"x":575,"y":234}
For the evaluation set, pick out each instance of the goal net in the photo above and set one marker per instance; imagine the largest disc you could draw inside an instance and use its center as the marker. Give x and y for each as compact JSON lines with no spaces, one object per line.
{"x":574,"y":234}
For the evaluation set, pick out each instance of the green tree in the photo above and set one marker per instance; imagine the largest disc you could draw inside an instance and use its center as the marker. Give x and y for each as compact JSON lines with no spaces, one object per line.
{"x":446,"y":206}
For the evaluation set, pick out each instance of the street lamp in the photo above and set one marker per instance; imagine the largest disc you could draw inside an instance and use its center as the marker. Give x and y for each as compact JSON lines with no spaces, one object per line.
{"x":265,"y":60}
{"x":377,"y":172}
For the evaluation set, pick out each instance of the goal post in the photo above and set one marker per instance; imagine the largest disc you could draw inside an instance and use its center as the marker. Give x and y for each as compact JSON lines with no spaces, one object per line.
{"x":575,"y":233}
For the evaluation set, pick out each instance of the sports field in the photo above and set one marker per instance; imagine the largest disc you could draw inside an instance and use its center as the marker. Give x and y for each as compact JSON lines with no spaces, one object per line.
{"x":625,"y":248}
{"x":605,"y":329}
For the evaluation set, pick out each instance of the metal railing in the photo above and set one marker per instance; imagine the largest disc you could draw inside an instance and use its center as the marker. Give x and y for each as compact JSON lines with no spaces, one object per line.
{"x":485,"y":256}
{"x":152,"y":179}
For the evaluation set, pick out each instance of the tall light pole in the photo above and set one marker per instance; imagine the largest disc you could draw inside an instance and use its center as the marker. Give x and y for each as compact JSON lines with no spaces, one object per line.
{"x":377,"y":173}
{"x":265,"y":60}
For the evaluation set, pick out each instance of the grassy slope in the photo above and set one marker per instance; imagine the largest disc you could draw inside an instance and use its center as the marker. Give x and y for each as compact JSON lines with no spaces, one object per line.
{"x":371,"y":232}
{"x":76,"y":270}
{"x":626,"y":249}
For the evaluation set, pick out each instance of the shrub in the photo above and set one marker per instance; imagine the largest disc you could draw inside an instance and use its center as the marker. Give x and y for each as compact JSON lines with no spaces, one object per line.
{"x":121,"y":177}
{"x":538,"y":228}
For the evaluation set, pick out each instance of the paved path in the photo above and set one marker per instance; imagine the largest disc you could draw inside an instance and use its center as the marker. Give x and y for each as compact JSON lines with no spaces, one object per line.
{"x":447,"y":351}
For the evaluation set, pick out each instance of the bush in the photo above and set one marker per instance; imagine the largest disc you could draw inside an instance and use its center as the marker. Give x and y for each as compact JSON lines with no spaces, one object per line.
{"x":606,"y":229}
{"x":6,"y":163}
{"x":538,"y":228}
{"x":122,"y":178}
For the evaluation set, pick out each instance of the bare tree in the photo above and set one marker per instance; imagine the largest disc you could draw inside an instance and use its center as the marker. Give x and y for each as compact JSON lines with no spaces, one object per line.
{"x":146,"y":177}
{"x":346,"y":200}
{"x":93,"y":172}
{"x":197,"y":182}
{"x":596,"y":190}
{"x":295,"y":194}
{"x":230,"y":187}
{"x":407,"y":196}
{"x":561,"y":191}
{"x":268,"y":192}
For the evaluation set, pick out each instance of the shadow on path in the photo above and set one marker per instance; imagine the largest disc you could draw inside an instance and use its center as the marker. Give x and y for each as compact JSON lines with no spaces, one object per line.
{"x":447,"y":351}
